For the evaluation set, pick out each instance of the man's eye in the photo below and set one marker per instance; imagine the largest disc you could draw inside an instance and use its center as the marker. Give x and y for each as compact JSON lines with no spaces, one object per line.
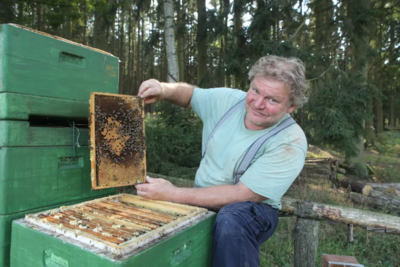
{"x":272,"y":100}
{"x":255,"y":91}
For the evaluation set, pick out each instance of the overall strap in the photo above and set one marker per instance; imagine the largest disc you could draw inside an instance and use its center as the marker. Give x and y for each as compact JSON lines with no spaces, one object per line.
{"x":236,"y":107}
{"x":257,"y":145}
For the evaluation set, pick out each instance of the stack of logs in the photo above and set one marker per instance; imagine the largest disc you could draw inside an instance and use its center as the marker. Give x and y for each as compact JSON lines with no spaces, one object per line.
{"x":382,"y":196}
{"x":377,"y":195}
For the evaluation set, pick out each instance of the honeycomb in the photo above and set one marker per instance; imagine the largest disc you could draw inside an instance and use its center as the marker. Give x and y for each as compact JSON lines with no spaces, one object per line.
{"x":117,"y":140}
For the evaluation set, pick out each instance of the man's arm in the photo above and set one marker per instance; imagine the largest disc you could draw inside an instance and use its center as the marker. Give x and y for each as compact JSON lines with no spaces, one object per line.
{"x":178,"y":94}
{"x":210,"y":197}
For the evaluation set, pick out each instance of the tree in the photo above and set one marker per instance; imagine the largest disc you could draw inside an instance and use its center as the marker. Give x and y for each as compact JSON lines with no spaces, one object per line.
{"x":169,"y":31}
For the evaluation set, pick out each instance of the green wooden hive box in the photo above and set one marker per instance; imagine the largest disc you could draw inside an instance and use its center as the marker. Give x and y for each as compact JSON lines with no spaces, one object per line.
{"x":5,"y":231}
{"x":45,"y":85}
{"x":121,"y":230}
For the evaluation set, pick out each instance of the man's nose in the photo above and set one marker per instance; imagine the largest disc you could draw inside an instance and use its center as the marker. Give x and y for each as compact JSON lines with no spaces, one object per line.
{"x":259,"y":103}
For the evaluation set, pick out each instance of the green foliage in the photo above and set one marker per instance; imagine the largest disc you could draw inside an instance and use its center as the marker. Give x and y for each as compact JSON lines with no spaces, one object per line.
{"x":338,"y":109}
{"x":388,"y":143}
{"x":173,"y":138}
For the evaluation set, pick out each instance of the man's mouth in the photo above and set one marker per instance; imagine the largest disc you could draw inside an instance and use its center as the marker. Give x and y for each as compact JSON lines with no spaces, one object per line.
{"x":255,"y":112}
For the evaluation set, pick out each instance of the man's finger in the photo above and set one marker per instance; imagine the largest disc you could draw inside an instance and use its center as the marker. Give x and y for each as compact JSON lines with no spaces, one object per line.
{"x":151,"y":180}
{"x":143,"y":87}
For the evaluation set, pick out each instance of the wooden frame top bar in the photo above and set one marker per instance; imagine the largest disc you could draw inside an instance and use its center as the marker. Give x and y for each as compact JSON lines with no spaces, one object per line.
{"x":118,"y":224}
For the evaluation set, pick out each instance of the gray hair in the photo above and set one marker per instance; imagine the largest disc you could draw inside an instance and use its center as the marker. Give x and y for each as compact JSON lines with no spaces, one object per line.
{"x":291,"y":71}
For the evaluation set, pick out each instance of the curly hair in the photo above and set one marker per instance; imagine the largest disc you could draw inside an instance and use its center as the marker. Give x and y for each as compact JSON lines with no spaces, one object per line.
{"x":291,"y":71}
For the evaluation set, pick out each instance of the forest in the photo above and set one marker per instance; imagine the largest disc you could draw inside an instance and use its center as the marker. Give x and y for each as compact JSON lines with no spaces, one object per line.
{"x":351,"y":49}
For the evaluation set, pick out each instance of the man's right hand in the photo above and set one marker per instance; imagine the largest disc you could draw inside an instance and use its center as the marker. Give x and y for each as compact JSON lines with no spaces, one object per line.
{"x":152,"y":91}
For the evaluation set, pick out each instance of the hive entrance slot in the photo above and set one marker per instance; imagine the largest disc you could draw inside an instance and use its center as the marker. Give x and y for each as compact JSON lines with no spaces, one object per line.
{"x":50,"y":121}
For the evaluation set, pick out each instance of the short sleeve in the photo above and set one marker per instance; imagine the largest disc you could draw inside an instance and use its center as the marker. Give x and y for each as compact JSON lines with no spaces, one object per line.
{"x":273,"y":172}
{"x":214,"y":103}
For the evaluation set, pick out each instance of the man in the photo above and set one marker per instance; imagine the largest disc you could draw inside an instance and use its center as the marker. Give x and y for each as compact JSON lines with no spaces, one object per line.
{"x":249,"y":208}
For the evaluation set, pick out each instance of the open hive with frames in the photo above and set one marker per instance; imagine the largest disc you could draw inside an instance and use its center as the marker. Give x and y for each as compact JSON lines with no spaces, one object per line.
{"x":117,"y":225}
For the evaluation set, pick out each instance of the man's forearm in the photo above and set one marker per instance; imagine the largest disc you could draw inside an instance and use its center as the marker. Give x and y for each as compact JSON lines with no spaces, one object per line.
{"x":215,"y":196}
{"x":178,"y":94}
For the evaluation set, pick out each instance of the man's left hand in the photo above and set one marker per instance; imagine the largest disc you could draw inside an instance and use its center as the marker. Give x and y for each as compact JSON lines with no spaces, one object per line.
{"x":156,"y":188}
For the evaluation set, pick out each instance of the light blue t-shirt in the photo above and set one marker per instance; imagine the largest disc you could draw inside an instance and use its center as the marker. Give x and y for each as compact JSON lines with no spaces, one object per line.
{"x":274,"y":167}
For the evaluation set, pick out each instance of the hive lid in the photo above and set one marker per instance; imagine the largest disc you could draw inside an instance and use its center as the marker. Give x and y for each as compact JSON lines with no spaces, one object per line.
{"x":117,"y":225}
{"x":117,"y":140}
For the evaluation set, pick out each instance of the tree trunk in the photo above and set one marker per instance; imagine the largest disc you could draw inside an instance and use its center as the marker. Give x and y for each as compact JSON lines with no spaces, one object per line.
{"x":305,"y":242}
{"x":39,"y":16}
{"x":360,"y":43}
{"x":121,"y":54}
{"x":138,"y":53}
{"x":181,"y":32}
{"x":201,"y":43}
{"x":169,"y":31}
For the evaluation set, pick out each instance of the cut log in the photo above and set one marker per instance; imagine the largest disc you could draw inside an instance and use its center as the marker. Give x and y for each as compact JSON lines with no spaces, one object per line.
{"x":378,"y":200}
{"x":352,"y":184}
{"x":345,"y":215}
{"x":364,"y":187}
{"x":391,"y":188}
{"x":305,"y":242}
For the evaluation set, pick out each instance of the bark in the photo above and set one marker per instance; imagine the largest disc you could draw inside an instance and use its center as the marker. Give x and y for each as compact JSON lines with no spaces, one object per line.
{"x":340,"y":214}
{"x":360,"y":45}
{"x":181,"y":13}
{"x":201,"y":42}
{"x":169,"y":31}
{"x":378,"y":200}
{"x":379,"y":112}
{"x":138,"y":54}
{"x":305,"y":242}
{"x":366,"y":188}
{"x":121,"y":52}
{"x":39,"y":16}
{"x":102,"y":24}
{"x":353,"y":185}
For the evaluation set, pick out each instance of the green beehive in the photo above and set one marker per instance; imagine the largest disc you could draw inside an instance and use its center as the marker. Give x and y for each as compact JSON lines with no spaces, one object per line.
{"x":45,"y":84}
{"x":5,"y":232}
{"x":34,"y":63}
{"x":72,"y":236}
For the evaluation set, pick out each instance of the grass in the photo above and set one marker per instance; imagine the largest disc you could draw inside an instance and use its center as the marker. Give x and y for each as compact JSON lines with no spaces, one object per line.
{"x":371,"y":249}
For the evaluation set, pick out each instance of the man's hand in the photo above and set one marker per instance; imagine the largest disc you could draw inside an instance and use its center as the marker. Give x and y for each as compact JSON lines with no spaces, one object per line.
{"x":176,"y":93}
{"x":152,"y":91}
{"x":156,"y":188}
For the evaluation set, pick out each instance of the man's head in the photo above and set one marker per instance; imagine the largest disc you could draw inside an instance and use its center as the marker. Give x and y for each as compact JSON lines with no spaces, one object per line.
{"x":278,"y":86}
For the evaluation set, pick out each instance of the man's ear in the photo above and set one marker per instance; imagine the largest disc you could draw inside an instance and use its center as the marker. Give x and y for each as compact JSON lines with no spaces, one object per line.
{"x":291,"y":108}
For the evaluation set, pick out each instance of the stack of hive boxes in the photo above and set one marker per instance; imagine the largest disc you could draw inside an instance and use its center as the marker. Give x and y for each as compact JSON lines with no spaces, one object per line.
{"x":45,"y":84}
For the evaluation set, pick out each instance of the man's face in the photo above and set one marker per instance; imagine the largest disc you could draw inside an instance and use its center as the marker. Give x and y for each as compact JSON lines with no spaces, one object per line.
{"x":267,"y":101}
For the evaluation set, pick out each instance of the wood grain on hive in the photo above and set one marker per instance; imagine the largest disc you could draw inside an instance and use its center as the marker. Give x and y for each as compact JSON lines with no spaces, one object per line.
{"x":117,"y":138}
{"x":120,"y":223}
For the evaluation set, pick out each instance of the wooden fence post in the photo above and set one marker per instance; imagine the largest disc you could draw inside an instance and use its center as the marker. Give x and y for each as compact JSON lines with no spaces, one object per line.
{"x":305,"y":242}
